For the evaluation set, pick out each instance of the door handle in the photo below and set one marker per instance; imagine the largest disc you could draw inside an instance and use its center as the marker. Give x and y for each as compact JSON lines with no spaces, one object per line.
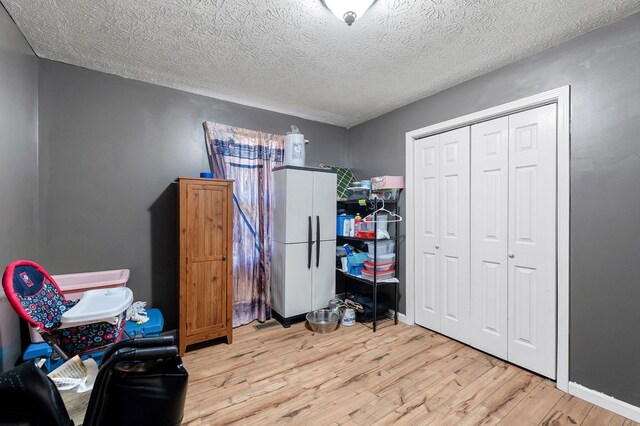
{"x":317,"y":241}
{"x":310,"y":244}
{"x":511,"y":255}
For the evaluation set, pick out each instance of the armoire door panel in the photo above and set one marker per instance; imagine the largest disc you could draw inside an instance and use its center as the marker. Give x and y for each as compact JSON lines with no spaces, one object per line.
{"x":453,"y":238}
{"x":205,"y":303}
{"x":205,"y":226}
{"x":489,"y":180}
{"x":427,"y":297}
{"x":532,"y":240}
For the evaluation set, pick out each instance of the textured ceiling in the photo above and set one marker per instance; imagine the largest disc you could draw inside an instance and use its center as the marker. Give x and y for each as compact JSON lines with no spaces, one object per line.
{"x":294,"y":56}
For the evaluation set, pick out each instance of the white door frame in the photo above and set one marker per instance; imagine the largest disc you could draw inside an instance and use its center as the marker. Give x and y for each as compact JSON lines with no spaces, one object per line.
{"x":561,"y":97}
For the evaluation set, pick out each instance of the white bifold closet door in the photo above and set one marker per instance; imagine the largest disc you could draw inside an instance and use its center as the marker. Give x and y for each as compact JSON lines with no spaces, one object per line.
{"x":513,"y":238}
{"x":489,"y":241}
{"x":532,"y":240}
{"x":442,"y":240}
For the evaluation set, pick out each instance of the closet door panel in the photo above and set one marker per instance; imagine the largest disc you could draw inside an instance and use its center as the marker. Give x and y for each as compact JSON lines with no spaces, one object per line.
{"x":532,"y":240}
{"x":427,"y":286}
{"x":453,"y":244}
{"x":489,"y":209}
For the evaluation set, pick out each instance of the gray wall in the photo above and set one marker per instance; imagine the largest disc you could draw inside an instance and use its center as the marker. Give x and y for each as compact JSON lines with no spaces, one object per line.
{"x":18,"y":166}
{"x":603,"y":69}
{"x":109,"y":150}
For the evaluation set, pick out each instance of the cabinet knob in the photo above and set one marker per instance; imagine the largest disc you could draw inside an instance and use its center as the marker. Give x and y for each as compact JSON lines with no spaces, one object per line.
{"x":437,"y":246}
{"x":224,"y":258}
{"x":511,"y":255}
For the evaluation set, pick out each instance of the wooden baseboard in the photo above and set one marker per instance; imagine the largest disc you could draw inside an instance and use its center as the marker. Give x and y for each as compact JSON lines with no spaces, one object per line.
{"x":605,"y":401}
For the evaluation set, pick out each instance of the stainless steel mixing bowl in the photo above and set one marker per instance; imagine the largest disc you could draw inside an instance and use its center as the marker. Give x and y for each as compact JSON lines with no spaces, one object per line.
{"x":323,"y":321}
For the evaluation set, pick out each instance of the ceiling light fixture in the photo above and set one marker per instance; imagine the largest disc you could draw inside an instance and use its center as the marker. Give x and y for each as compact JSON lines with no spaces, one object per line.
{"x":348,"y":10}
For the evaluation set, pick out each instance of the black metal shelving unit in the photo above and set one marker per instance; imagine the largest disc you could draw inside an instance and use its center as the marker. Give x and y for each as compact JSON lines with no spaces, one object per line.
{"x":371,"y":206}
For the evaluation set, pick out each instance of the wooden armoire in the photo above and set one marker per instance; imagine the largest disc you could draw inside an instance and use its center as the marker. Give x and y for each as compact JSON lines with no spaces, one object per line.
{"x":205,"y":236}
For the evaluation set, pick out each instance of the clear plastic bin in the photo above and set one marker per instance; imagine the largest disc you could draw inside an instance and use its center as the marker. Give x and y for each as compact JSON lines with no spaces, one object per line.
{"x":380,"y":267}
{"x":381,"y":275}
{"x":383,"y":258}
{"x":381,"y":222}
{"x":384,"y":246}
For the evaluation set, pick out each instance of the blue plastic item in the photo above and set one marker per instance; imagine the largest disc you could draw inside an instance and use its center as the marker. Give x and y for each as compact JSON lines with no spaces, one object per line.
{"x":340,"y":224}
{"x":37,"y":350}
{"x":355,"y":263}
{"x":207,"y":175}
{"x":43,"y":350}
{"x":153,"y":327}
{"x":356,"y":269}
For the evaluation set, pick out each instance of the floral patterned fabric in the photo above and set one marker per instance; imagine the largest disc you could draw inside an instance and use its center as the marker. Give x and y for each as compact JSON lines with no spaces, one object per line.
{"x":78,"y":340}
{"x":46,"y":306}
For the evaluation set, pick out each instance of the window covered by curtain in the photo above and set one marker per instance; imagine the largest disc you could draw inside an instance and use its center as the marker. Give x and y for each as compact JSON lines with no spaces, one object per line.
{"x":247,"y":157}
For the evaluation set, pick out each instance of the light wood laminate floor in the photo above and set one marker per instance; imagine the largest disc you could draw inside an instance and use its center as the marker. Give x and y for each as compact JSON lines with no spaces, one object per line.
{"x":398,"y":375}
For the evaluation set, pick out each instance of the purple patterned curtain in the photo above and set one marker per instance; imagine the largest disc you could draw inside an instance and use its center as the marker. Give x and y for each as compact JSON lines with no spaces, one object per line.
{"x":247,"y":157}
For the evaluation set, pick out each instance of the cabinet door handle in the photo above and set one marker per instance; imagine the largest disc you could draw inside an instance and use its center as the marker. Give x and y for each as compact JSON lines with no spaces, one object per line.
{"x":317,"y":241}
{"x":511,"y":255}
{"x":310,"y":244}
{"x":224,"y":258}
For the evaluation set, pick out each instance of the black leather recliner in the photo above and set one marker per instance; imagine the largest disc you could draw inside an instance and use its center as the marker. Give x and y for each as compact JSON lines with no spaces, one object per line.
{"x":140,"y":381}
{"x":29,"y":397}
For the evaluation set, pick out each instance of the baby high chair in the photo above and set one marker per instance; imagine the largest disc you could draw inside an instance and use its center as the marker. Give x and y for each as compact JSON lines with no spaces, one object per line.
{"x":70,"y":327}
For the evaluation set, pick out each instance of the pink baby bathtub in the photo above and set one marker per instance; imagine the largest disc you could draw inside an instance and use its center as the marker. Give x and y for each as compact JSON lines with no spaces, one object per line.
{"x":74,"y":285}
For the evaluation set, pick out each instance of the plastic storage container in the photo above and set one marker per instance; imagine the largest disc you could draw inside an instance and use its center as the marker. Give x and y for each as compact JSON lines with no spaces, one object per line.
{"x":381,"y":222}
{"x":383,"y":258}
{"x":357,"y":193}
{"x":294,"y":148}
{"x":392,"y":195}
{"x":380,"y":267}
{"x":151,"y":328}
{"x":340,"y":224}
{"x":381,"y":275}
{"x":387,"y":182}
{"x":384,"y":246}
